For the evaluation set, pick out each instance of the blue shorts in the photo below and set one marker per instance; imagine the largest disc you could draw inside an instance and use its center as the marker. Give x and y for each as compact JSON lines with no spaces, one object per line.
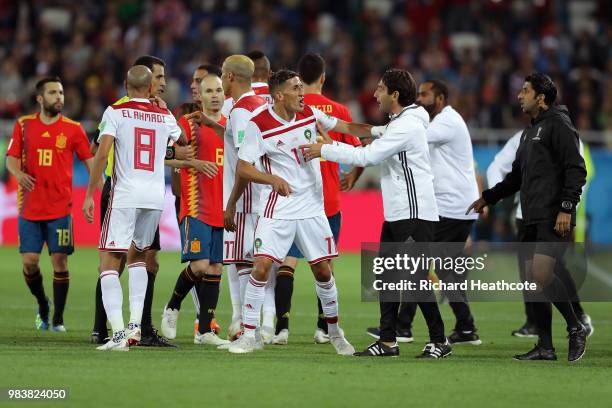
{"x":200,"y":241}
{"x":334,"y":223}
{"x":56,"y":233}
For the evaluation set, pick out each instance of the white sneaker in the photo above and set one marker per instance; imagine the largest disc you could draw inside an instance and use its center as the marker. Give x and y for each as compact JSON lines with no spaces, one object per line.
{"x":58,"y":328}
{"x":234,"y":330}
{"x":281,"y":338}
{"x":117,"y":343}
{"x":342,"y":346}
{"x":320,"y":337}
{"x":209,"y":338}
{"x":245,"y":344}
{"x":168,"y":323}
{"x":132,"y":334}
{"x":267,"y":334}
{"x":259,"y":341}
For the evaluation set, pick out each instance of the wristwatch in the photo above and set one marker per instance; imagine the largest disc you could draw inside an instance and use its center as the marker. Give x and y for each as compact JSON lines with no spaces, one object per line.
{"x":567,"y":206}
{"x":170,"y":153}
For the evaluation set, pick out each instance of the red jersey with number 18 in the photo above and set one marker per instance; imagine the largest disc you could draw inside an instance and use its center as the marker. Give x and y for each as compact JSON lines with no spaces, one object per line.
{"x":201,"y":196}
{"x":46,"y":152}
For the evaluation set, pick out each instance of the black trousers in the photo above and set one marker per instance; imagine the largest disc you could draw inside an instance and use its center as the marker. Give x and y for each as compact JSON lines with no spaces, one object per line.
{"x":405,"y":231}
{"x":560,"y":270}
{"x":454,"y":232}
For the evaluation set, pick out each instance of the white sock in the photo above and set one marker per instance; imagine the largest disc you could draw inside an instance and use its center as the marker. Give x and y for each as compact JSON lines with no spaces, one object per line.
{"x":138,"y":288}
{"x":253,"y":299}
{"x":269,"y":306}
{"x":234,"y":288}
{"x":112,"y":298}
{"x":243,"y":279}
{"x":328,"y":294}
{"x":196,"y":299}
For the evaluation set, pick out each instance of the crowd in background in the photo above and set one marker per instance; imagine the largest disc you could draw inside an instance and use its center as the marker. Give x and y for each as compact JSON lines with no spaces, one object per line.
{"x":483,"y":48}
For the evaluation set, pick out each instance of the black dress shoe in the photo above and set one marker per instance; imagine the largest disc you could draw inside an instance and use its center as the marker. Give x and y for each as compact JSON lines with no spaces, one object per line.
{"x":378,"y":349}
{"x":537,"y":353}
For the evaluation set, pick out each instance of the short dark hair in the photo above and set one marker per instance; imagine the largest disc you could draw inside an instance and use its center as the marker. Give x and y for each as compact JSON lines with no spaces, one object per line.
{"x":255,"y":55}
{"x":211,"y":69}
{"x":40,"y":85}
{"x":438,"y":87}
{"x":542,"y":84}
{"x":280,"y":77}
{"x":311,"y":67}
{"x":401,"y":81}
{"x":148,"y":61}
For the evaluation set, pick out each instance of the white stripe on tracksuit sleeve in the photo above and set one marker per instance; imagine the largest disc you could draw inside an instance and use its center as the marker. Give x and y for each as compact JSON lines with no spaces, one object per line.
{"x":406,"y":177}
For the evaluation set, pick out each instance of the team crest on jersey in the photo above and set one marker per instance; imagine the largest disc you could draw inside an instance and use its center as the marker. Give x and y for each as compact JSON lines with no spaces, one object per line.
{"x":308,"y":134}
{"x":60,"y":141}
{"x":195,"y":246}
{"x":258,"y":243}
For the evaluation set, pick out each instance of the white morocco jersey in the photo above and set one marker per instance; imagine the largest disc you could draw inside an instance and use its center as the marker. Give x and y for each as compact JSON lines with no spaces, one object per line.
{"x":275,"y":143}
{"x":262,"y":89}
{"x":240,"y":114}
{"x":141,"y":131}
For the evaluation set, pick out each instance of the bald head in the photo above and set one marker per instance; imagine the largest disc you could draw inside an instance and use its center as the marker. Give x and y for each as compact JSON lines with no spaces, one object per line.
{"x":139,"y":78}
{"x":240,"y":66}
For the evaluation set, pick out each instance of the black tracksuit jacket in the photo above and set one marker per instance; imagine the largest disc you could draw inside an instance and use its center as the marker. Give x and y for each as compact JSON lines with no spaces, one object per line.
{"x":548,"y":169}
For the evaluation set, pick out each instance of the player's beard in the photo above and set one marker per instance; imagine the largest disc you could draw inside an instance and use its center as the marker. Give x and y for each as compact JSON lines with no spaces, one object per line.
{"x":430,"y":108}
{"x":53,"y":109}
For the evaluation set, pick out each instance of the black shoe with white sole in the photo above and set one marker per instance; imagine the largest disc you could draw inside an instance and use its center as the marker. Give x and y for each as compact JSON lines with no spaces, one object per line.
{"x":401,"y":335}
{"x":537,"y":353}
{"x":577,"y":343}
{"x":527,"y":330}
{"x":464,"y":337}
{"x":378,"y":349}
{"x":436,"y":350}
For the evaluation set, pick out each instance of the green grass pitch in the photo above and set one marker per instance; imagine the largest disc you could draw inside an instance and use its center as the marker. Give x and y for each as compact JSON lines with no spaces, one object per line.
{"x":296,"y":375}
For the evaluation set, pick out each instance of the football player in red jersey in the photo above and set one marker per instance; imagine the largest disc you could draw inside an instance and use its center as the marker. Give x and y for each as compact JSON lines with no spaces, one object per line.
{"x":311,"y":68}
{"x":201,"y":217}
{"x":40,"y":157}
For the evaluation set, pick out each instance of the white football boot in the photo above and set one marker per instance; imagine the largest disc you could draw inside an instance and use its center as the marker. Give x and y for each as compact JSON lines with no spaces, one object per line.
{"x":168,"y":323}
{"x":117,"y":343}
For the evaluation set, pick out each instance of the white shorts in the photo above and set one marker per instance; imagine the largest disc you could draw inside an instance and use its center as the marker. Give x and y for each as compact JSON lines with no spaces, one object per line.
{"x":238,"y":245}
{"x":122,"y":226}
{"x":312,"y":236}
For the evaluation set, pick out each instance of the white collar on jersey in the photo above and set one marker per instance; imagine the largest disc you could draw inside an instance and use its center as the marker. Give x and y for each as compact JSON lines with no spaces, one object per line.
{"x":250,"y":93}
{"x":397,"y":115}
{"x":258,"y":84}
{"x":140,"y":100}
{"x":281,"y":120}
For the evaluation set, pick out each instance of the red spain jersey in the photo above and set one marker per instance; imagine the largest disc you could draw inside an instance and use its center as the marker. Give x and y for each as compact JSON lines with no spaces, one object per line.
{"x":329,"y":170}
{"x":46,"y":153}
{"x":202,"y":197}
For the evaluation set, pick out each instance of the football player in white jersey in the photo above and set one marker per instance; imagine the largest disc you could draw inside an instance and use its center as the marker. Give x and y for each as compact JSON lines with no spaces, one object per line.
{"x":240,"y":199}
{"x":140,"y":132}
{"x":291,"y":203}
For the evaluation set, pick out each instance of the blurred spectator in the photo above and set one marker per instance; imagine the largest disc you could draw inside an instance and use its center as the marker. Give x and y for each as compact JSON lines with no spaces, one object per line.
{"x":483,"y":48}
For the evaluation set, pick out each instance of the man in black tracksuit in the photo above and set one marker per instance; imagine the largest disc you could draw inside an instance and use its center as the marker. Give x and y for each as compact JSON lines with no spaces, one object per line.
{"x":550,"y":172}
